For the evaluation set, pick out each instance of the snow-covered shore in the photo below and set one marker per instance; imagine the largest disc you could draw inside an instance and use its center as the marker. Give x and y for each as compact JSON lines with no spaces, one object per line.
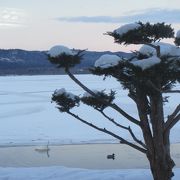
{"x":63,"y":173}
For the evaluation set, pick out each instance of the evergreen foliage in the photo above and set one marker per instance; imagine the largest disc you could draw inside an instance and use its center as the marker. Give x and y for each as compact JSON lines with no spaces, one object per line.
{"x":65,"y":102}
{"x":65,"y":60}
{"x":146,"y":33}
{"x":96,"y":103}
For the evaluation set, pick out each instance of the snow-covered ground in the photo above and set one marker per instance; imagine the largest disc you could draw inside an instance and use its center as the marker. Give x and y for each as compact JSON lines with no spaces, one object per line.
{"x":63,"y":173}
{"x":28,"y":117}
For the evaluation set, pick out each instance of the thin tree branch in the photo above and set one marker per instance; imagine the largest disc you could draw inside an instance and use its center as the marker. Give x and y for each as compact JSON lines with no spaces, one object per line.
{"x":114,"y":106}
{"x":122,"y":140}
{"x":135,"y":138}
{"x":123,"y":127}
{"x":171,"y":91}
{"x":172,"y":119}
{"x":150,"y":84}
{"x":132,"y":96}
{"x":112,"y":120}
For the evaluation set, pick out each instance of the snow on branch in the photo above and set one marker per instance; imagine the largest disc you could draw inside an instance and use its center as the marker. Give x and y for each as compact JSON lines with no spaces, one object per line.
{"x":166,"y":49}
{"x":58,"y":50}
{"x":107,"y":60}
{"x":62,"y":91}
{"x":139,"y":33}
{"x":97,"y":103}
{"x":147,"y":63}
{"x":65,"y":100}
{"x":178,"y":34}
{"x":64,"y":57}
{"x":177,"y":38}
{"x":127,"y":27}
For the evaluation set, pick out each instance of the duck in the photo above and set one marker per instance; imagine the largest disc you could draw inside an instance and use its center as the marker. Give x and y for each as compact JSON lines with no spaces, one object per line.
{"x":111,"y":156}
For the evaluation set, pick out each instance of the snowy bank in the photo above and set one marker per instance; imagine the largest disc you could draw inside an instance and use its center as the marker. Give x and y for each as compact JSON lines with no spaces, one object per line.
{"x":63,"y":173}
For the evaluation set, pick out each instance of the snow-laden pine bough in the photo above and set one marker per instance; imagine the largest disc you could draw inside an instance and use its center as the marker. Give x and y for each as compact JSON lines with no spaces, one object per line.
{"x":147,"y":75}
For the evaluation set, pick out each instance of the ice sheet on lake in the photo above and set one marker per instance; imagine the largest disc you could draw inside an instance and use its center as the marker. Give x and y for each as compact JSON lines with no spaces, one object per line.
{"x":27,"y":115}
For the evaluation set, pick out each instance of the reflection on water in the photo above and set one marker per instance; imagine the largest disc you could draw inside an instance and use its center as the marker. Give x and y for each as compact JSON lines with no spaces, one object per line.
{"x":43,"y":149}
{"x":79,"y":156}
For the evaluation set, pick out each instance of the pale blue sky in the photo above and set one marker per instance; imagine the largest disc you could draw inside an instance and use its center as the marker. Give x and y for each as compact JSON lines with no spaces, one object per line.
{"x":40,"y":24}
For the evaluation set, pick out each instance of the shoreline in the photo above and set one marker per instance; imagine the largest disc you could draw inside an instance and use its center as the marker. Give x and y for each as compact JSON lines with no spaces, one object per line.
{"x":66,"y":144}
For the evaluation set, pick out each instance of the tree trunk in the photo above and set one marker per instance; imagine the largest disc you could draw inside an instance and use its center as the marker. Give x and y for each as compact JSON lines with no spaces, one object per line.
{"x":157,"y":142}
{"x":160,"y":160}
{"x":161,"y":163}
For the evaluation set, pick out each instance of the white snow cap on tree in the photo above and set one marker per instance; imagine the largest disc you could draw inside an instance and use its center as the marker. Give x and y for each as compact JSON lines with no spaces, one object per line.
{"x":147,"y":63}
{"x":107,"y":60}
{"x":178,"y":34}
{"x":127,"y":27}
{"x":59,"y":92}
{"x":58,"y":50}
{"x":165,"y":49}
{"x":86,"y":94}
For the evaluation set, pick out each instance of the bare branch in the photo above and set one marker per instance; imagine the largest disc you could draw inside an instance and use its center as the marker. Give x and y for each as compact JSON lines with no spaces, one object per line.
{"x":122,"y":140}
{"x":171,"y":91}
{"x":113,"y":106}
{"x":123,"y":127}
{"x":172,"y":119}
{"x":135,"y":138}
{"x":113,"y":121}
{"x":150,"y":84}
{"x":132,"y":96}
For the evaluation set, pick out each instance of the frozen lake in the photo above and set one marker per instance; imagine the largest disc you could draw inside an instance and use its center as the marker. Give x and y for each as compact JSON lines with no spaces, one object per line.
{"x":92,"y":156}
{"x":28,"y":117}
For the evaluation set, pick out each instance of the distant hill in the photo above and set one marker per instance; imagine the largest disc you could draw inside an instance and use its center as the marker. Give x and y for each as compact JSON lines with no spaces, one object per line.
{"x":21,"y":62}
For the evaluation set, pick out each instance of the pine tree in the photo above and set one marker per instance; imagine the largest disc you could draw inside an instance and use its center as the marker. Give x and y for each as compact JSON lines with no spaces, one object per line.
{"x":150,"y":73}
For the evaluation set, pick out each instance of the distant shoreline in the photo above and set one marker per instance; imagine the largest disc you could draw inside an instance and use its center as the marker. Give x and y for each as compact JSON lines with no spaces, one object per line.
{"x":65,"y":144}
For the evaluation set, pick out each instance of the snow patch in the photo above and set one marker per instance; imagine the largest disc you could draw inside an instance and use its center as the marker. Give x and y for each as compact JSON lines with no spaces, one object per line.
{"x":107,"y":60}
{"x":127,"y":27}
{"x":147,"y":63}
{"x":58,"y":50}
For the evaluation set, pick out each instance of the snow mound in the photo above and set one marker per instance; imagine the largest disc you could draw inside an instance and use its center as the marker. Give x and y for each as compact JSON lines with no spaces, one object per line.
{"x":147,"y":63}
{"x":107,"y":60}
{"x":59,"y":92}
{"x":58,"y":50}
{"x":166,"y":49}
{"x":127,"y":27}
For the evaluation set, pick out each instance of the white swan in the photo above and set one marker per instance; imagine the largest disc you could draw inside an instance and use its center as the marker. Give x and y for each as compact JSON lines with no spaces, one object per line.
{"x":43,"y":148}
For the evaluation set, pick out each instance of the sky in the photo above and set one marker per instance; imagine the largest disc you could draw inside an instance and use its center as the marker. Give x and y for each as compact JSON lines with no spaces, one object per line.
{"x":80,"y":24}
